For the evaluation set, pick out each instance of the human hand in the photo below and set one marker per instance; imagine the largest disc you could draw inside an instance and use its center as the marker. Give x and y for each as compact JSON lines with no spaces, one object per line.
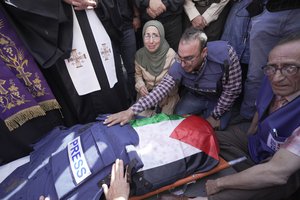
{"x":122,"y":117}
{"x":199,"y":22}
{"x":212,"y":187}
{"x":157,"y":6}
{"x":119,"y":188}
{"x":215,"y":123}
{"x":151,"y":13}
{"x":136,"y":23}
{"x":143,"y":91}
{"x":82,"y":4}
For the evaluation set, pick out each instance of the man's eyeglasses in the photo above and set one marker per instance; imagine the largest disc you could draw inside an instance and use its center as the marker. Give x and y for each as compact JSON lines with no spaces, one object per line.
{"x":186,"y":60}
{"x":286,"y":70}
{"x":154,"y":37}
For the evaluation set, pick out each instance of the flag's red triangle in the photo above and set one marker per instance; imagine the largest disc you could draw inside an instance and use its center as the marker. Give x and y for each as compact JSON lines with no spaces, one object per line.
{"x":197,"y":132}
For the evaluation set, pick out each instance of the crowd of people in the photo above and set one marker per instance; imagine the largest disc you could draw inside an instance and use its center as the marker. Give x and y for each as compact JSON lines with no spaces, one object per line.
{"x":235,"y":63}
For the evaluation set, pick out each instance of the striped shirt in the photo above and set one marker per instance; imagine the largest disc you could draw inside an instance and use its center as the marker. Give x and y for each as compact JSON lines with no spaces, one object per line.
{"x":232,"y":86}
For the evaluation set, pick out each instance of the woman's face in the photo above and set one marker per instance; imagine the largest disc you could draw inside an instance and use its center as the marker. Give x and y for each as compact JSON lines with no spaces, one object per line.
{"x":151,"y":39}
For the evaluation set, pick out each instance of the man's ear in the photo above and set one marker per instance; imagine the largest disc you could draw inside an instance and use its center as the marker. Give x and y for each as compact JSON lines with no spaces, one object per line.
{"x":204,"y":52}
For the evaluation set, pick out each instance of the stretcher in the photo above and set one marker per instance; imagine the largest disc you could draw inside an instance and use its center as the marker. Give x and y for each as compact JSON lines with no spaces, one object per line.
{"x":223,"y":164}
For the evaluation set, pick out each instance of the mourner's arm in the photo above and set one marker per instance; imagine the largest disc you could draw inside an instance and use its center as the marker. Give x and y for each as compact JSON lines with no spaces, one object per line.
{"x":284,"y":163}
{"x":211,"y":14}
{"x":231,"y":85}
{"x":193,"y":14}
{"x":144,"y":103}
{"x":155,"y":96}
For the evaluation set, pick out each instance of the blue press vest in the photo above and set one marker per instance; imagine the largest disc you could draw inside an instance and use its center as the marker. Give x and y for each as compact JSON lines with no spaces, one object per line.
{"x":208,"y":81}
{"x":275,"y":128}
{"x":49,"y":163}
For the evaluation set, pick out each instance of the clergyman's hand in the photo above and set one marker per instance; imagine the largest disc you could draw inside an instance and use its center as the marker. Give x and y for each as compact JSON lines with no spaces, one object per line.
{"x":82,"y":4}
{"x":119,"y":188}
{"x":122,"y":117}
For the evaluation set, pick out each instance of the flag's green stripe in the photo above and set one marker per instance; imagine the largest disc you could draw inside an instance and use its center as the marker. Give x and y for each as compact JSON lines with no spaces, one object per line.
{"x":154,"y":119}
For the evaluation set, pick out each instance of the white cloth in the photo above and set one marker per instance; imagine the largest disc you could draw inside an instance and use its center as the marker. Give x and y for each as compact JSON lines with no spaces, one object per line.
{"x":6,"y":170}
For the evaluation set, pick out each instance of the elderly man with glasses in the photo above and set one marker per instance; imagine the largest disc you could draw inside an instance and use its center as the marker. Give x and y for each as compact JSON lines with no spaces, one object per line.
{"x":272,"y":144}
{"x":210,"y":75}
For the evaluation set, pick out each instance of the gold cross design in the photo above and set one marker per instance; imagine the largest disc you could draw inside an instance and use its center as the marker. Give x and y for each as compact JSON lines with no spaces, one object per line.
{"x":105,"y":51}
{"x":76,"y":58}
{"x":24,"y":75}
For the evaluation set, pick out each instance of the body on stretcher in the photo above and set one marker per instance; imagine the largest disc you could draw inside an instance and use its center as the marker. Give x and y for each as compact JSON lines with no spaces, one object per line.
{"x":5,"y":170}
{"x":171,"y":149}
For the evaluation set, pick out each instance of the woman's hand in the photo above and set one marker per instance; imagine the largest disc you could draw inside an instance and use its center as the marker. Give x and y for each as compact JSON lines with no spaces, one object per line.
{"x":122,"y":117}
{"x":143,"y":91}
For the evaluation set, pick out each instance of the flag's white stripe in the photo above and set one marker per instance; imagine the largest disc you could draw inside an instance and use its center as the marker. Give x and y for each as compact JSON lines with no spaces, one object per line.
{"x":156,"y":148}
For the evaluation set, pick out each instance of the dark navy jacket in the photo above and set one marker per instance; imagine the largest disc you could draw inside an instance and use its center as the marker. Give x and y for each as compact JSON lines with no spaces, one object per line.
{"x":275,"y":128}
{"x":49,"y":171}
{"x":208,"y":81}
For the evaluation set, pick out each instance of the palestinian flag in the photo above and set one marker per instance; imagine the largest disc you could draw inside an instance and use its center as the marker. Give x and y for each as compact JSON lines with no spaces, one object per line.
{"x":172,"y":147}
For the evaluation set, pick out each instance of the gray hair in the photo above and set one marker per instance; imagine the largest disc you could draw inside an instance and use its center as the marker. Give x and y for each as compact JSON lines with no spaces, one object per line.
{"x":289,"y":38}
{"x":191,"y":34}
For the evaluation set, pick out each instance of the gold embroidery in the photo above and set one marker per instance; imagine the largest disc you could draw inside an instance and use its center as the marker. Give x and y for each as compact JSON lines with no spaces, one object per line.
{"x":2,"y":89}
{"x":14,"y":58}
{"x":11,"y":98}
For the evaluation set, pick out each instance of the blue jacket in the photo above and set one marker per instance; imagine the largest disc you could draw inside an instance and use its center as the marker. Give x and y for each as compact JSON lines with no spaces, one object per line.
{"x":273,"y":129}
{"x":236,"y":29}
{"x":70,"y":163}
{"x":208,"y":81}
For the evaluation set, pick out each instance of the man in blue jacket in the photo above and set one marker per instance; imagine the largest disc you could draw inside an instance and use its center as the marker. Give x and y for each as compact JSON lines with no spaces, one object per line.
{"x":210,"y":74}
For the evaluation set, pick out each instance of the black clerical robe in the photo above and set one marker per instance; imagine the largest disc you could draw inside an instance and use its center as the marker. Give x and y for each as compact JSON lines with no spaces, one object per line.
{"x":47,"y":30}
